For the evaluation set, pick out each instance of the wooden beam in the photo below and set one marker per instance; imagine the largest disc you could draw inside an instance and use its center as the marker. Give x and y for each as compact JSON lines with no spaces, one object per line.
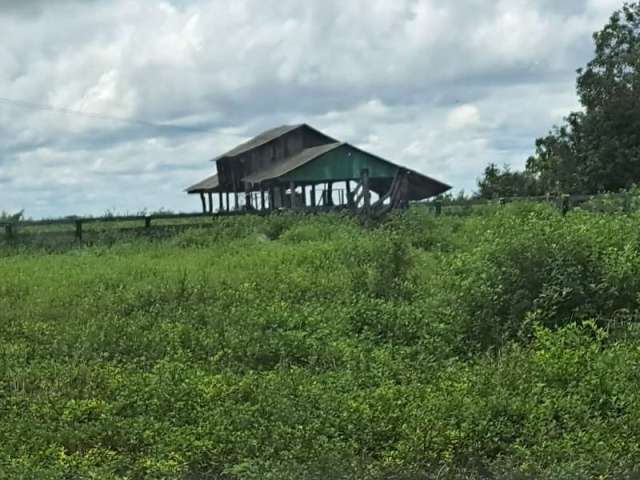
{"x":329,"y":193}
{"x":366,"y":193}
{"x":247,"y":197}
{"x":204,"y":202}
{"x":292,"y":187}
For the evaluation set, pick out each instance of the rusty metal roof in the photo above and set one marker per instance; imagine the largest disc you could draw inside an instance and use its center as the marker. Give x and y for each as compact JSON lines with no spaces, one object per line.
{"x":291,"y":163}
{"x":261,"y":139}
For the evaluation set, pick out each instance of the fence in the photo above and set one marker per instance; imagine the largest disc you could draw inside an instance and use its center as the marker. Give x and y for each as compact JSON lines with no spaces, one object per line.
{"x":564,"y":203}
{"x":145,"y":221}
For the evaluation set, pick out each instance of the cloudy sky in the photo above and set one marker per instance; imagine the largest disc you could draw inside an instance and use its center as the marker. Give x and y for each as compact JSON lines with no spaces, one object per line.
{"x":118,"y":105}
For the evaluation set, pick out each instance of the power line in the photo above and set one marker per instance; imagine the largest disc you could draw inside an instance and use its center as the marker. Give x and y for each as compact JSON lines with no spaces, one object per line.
{"x":99,"y":116}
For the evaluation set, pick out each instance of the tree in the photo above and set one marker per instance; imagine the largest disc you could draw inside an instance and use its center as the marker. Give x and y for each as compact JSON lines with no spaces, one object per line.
{"x":497,"y":183}
{"x":597,"y":149}
{"x":608,"y":89}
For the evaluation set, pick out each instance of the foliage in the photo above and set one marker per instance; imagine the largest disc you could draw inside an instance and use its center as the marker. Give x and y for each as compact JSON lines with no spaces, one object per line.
{"x":12,"y":218}
{"x":598,"y":148}
{"x":497,"y":183}
{"x":500,"y":345}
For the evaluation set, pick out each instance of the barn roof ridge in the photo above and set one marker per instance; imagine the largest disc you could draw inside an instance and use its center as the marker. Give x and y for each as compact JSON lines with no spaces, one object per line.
{"x":265,"y":137}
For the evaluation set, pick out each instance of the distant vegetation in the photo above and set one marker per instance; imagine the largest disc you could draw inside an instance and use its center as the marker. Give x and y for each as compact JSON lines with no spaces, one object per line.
{"x":598,"y":148}
{"x":501,"y":344}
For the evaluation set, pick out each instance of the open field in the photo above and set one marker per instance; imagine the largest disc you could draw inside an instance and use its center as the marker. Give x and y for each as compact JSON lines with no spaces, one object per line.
{"x":503,"y":343}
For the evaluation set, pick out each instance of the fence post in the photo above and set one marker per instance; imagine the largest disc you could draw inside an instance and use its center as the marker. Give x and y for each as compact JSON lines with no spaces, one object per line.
{"x":78,"y":229}
{"x":626,"y":207}
{"x":564,"y":204}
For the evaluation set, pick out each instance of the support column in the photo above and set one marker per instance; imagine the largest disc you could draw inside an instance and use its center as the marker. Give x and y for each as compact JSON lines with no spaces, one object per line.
{"x":314,"y":203}
{"x":210,"y":202}
{"x":227,"y":208}
{"x":247,"y":197}
{"x":204,"y":202}
{"x":329,"y":194}
{"x":292,"y":187}
{"x":366,"y":193}
{"x":348,"y":190}
{"x":219,"y":201}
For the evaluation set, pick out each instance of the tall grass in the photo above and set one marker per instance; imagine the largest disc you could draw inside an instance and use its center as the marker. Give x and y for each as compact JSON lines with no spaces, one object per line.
{"x":497,"y":345}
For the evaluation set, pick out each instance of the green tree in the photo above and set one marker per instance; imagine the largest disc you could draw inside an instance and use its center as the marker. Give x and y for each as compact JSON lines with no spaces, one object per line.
{"x":496,"y":183}
{"x":607,"y":138}
{"x":597,"y":149}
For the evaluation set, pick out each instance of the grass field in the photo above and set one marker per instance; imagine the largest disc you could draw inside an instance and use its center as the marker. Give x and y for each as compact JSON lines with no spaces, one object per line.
{"x":502,"y":344}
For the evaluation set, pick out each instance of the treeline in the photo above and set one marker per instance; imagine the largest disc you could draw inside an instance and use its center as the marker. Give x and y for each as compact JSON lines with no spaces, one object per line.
{"x":596,"y":149}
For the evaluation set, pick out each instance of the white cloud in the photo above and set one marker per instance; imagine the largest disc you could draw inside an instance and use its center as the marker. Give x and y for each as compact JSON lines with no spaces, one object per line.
{"x":463,"y":116}
{"x":444,"y":87}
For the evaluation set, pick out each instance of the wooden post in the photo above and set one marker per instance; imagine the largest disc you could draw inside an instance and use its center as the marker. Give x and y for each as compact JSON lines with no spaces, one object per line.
{"x":227,"y":201}
{"x":564,"y":205}
{"x":78,"y":229}
{"x":235,"y":199}
{"x":262,"y":207}
{"x":626,"y":206}
{"x":272,"y":199}
{"x":348,"y":190}
{"x":204,"y":202}
{"x":219,"y":202}
{"x":292,"y":187}
{"x":313,"y":196}
{"x":210,"y":195}
{"x":283,"y":196}
{"x":329,"y":193}
{"x":364,"y":174}
{"x":247,"y":197}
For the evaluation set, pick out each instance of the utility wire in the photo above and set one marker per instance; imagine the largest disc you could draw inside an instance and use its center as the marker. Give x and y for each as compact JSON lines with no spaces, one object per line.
{"x":99,"y":116}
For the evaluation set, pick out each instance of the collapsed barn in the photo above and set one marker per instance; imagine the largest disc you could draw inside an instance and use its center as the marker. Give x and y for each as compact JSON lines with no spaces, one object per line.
{"x":299,"y":167}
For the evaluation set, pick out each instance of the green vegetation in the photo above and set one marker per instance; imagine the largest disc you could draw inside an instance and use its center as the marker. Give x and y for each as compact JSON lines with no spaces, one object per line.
{"x":503,"y":344}
{"x":598,"y":148}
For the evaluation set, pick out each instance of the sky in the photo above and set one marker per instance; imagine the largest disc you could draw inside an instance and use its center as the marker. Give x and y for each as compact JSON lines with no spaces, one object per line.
{"x":118,"y":106}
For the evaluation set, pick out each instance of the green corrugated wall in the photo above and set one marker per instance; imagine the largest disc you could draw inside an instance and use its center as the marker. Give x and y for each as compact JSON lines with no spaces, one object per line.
{"x":343,"y":163}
